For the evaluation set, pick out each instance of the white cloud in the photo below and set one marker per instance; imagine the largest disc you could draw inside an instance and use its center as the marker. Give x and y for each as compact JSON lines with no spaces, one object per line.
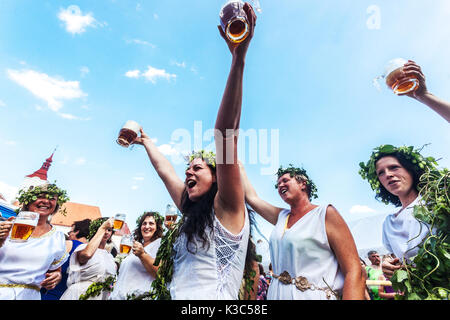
{"x":10,"y":142}
{"x":84,"y":71}
{"x":179,"y":64}
{"x":2,"y":104}
{"x":138,"y":178}
{"x":133,"y":74}
{"x":141,"y":42}
{"x":50,"y":89}
{"x":168,"y":150}
{"x":134,"y":187}
{"x":9,"y":192}
{"x":69,"y":116}
{"x":152,"y":74}
{"x":361,"y":209}
{"x":76,"y":22}
{"x":80,"y":161}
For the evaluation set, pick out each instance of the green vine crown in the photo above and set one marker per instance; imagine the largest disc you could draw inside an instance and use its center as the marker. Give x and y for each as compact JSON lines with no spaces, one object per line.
{"x":94,"y":226}
{"x":50,"y":190}
{"x":208,"y":156}
{"x":368,"y":170}
{"x":159,"y":219}
{"x":298,"y":172}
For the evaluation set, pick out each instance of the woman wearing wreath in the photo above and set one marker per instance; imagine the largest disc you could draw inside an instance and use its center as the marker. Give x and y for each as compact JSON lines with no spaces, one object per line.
{"x":91,"y":262}
{"x":25,"y":267}
{"x":137,"y":271}
{"x":210,"y":250}
{"x":394,"y":174}
{"x":312,"y":251}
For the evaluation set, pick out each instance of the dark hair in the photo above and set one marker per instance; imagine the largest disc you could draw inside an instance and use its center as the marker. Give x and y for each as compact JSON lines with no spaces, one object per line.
{"x":137,"y":234}
{"x":198,"y":215}
{"x":82,"y":227}
{"x":261,"y":270}
{"x":413,"y":170}
{"x":371,"y":252}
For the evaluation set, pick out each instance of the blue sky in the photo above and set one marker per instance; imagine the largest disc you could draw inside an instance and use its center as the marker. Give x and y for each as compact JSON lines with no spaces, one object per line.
{"x":72,"y":72}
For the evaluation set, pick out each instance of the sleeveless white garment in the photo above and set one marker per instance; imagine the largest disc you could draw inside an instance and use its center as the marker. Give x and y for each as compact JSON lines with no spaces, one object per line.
{"x":214,"y":272}
{"x":133,"y":278}
{"x":402,"y":232}
{"x":303,"y":250}
{"x":25,"y":263}
{"x":98,"y":268}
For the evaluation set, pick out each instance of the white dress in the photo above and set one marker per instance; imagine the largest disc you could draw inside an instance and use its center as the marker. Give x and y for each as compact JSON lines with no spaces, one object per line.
{"x":213,"y":273}
{"x":23,"y":264}
{"x":303,"y":250}
{"x":401,"y":227}
{"x":133,"y":277}
{"x":98,"y":268}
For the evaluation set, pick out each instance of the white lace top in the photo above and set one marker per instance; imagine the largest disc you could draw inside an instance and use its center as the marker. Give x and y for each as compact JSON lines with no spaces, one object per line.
{"x":214,"y":272}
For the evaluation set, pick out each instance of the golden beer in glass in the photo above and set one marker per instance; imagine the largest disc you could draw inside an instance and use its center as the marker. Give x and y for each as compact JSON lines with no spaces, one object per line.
{"x":233,"y":21}
{"x":119,"y":220}
{"x":395,"y":79}
{"x":126,"y":243}
{"x":23,"y":226}
{"x":171,"y":216}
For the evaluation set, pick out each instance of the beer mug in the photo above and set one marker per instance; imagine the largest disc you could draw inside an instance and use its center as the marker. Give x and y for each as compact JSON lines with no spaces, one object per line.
{"x":233,"y":19}
{"x":119,"y":220}
{"x":126,"y":243}
{"x":393,"y":76}
{"x":171,"y":216}
{"x":23,"y":226}
{"x":128,"y":133}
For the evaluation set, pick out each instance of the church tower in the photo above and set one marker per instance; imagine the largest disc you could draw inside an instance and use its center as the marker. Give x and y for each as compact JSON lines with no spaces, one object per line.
{"x":39,"y":177}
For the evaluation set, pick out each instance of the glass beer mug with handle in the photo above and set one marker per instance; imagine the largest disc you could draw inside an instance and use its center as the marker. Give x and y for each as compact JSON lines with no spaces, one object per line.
{"x":23,"y":226}
{"x":128,"y":133}
{"x":171,"y":216}
{"x":233,"y":19}
{"x":395,"y":79}
{"x":119,"y":220}
{"x":126,"y":243}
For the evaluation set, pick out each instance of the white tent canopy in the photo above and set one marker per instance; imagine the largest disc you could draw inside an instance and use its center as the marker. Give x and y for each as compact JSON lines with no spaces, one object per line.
{"x":367,"y":233}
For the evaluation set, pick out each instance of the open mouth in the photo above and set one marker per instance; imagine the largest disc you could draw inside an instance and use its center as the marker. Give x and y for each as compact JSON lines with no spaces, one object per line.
{"x":283,"y":190}
{"x":393,"y":182}
{"x":43,"y":207}
{"x":191,"y":183}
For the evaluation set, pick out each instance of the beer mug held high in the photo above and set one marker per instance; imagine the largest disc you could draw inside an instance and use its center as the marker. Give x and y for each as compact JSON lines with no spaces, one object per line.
{"x":233,"y":19}
{"x":128,"y":133}
{"x":394,"y":77}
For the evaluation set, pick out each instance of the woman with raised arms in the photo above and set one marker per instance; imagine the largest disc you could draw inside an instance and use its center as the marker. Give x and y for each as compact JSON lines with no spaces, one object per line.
{"x":211,"y":245}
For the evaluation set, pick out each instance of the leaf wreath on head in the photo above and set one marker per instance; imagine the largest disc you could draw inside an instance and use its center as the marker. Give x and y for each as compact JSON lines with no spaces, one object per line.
{"x":368,"y":170}
{"x":298,"y":173}
{"x":159,"y":219}
{"x":50,"y":190}
{"x":208,"y":156}
{"x":94,"y":225}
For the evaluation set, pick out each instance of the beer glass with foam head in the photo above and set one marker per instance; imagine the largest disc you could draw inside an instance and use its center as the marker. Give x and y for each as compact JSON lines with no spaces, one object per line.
{"x":23,"y":226}
{"x":126,"y":243}
{"x":128,"y":133}
{"x":233,"y":19}
{"x":395,"y":79}
{"x":171,"y":216}
{"x":119,"y":220}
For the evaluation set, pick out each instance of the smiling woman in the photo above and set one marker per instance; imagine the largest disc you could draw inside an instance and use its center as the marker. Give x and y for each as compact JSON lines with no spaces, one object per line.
{"x":394,"y":173}
{"x":137,"y":271}
{"x":27,"y":266}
